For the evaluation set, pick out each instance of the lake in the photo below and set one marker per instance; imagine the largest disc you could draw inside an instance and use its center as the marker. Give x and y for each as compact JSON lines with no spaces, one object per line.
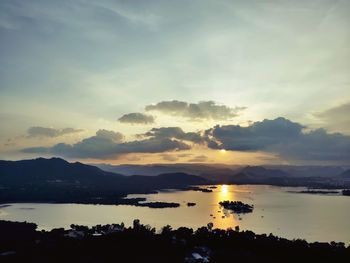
{"x":277,"y":210}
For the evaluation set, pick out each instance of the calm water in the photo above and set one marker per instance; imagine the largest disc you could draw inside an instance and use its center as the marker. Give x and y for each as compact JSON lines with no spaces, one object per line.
{"x":276,"y":210}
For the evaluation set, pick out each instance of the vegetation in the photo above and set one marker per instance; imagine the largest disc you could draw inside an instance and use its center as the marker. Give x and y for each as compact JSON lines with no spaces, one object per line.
{"x":159,"y":204}
{"x":316,"y":192}
{"x":21,"y":242}
{"x":199,"y":189}
{"x":57,"y":181}
{"x":237,"y":206}
{"x":346,"y":192}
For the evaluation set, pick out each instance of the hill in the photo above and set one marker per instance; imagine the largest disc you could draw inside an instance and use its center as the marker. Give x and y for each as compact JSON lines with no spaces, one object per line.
{"x":203,"y":170}
{"x":257,"y":174}
{"x":22,"y":242}
{"x":54,"y":169}
{"x":56,"y":180}
{"x":345,"y":174}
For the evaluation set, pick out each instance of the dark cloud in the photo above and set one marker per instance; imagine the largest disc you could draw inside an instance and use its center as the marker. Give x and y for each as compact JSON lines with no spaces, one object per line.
{"x":203,"y":110}
{"x":286,"y":139}
{"x":175,"y":133}
{"x":283,"y":137}
{"x":50,"y":132}
{"x":137,"y":118}
{"x":257,"y":136}
{"x":337,"y":118}
{"x":107,"y":144}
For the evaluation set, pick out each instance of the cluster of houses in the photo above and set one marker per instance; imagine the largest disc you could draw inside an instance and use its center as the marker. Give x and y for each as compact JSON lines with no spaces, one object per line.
{"x":81,"y":232}
{"x":199,"y":255}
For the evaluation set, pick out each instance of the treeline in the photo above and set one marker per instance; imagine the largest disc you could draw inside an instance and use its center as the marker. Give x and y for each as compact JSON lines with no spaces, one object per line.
{"x":21,"y":242}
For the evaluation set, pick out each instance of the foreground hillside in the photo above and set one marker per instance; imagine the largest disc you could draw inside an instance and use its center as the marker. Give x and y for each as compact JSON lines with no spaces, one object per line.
{"x":20,"y":242}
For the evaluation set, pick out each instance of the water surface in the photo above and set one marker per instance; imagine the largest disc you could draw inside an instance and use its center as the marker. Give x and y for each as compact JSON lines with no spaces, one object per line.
{"x":314,"y":217}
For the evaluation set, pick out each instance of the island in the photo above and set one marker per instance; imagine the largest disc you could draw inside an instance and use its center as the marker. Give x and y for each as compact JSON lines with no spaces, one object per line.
{"x":159,"y":204}
{"x":346,"y":192}
{"x":237,"y":206}
{"x":199,"y":189}
{"x":323,"y":192}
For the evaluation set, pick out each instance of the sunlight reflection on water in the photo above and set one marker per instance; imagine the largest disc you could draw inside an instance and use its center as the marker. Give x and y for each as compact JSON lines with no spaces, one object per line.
{"x":276,"y":210}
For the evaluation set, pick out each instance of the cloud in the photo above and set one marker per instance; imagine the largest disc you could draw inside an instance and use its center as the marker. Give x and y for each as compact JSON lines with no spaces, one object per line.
{"x":169,"y":157}
{"x":50,"y":132}
{"x":199,"y":159}
{"x":106,"y":144}
{"x":136,"y":118}
{"x":174,"y":132}
{"x":287,"y":140}
{"x":283,"y":137}
{"x":337,"y":118}
{"x":257,"y":136}
{"x":204,"y":110}
{"x":181,"y":155}
{"x":110,"y":135}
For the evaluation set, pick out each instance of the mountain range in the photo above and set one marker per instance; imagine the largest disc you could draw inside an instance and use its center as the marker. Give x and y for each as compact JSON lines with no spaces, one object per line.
{"x":56,"y":180}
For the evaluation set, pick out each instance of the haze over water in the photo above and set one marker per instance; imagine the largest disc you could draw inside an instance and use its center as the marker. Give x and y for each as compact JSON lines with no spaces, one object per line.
{"x":276,"y":210}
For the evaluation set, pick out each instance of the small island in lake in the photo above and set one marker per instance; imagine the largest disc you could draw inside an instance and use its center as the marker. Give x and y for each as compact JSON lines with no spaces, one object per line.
{"x":159,"y":205}
{"x":237,"y":206}
{"x":140,"y":201}
{"x":346,"y":192}
{"x":199,"y":189}
{"x":324,"y":192}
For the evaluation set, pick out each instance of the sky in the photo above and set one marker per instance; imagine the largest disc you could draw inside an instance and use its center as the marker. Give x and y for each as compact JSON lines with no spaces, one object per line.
{"x":200,"y":81}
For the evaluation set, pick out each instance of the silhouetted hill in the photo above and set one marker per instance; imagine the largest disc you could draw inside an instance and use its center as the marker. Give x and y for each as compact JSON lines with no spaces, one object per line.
{"x":263,"y":172}
{"x":345,"y":174}
{"x":257,"y":174}
{"x":204,"y":170}
{"x":169,"y":179}
{"x":150,"y":170}
{"x":56,"y":180}
{"x":223,"y":172}
{"x":310,"y":171}
{"x":54,"y":169}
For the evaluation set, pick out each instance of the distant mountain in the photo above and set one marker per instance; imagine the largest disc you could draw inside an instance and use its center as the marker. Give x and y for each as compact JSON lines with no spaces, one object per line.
{"x":222,"y":173}
{"x":257,"y":174}
{"x":212,"y":172}
{"x":310,"y":171}
{"x":263,"y":172}
{"x":345,"y":174}
{"x":149,"y":170}
{"x":56,"y":180}
{"x":168,"y":179}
